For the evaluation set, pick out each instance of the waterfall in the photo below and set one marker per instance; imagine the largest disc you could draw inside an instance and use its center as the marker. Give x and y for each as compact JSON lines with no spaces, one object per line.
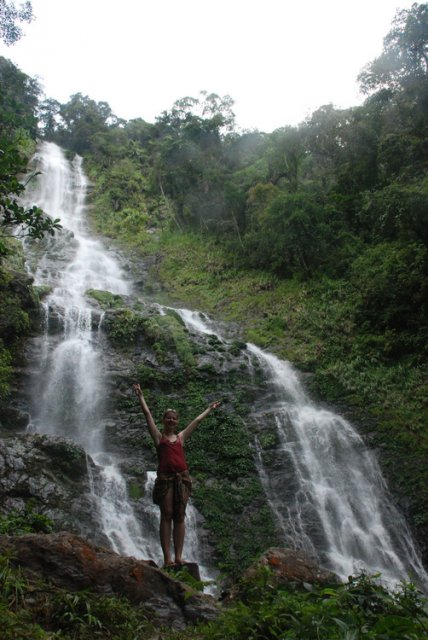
{"x":69,"y":387}
{"x":329,"y":497}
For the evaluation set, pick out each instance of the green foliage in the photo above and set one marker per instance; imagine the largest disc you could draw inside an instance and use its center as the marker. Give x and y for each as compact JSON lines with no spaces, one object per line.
{"x":16,"y":625}
{"x":18,"y":126}
{"x":168,"y":336}
{"x":80,"y":120}
{"x":84,"y":616}
{"x":123,"y":187}
{"x":397,"y":212}
{"x":149,"y":376}
{"x":6,"y":371}
{"x":42,"y":290}
{"x":123,"y":327}
{"x":10,"y":31}
{"x":29,"y":521}
{"x":404,"y":58}
{"x":18,"y":318}
{"x":360,"y":609}
{"x":37,"y":611}
{"x":292,"y":234}
{"x":106,"y":299}
{"x":12,"y":584}
{"x":391,"y":282}
{"x":184,"y":576}
{"x":18,"y":102}
{"x":240,"y":522}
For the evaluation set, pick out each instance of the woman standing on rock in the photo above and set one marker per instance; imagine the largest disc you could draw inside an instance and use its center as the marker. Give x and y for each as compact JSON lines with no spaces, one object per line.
{"x":173,"y":484}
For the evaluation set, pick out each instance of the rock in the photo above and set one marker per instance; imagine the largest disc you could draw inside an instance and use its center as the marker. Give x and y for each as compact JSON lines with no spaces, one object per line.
{"x":289,"y":565}
{"x":191,"y":567}
{"x":165,"y":612}
{"x":52,"y":473}
{"x":72,"y":563}
{"x":198,"y":609}
{"x":13,"y":419}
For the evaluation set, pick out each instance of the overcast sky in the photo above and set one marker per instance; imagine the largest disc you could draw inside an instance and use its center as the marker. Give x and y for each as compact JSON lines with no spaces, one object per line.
{"x":279,"y":60}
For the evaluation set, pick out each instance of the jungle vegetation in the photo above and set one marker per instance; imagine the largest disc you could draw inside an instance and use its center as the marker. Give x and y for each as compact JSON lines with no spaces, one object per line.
{"x":314,"y":237}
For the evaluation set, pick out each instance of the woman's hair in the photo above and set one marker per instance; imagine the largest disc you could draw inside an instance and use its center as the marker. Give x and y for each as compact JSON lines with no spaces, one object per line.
{"x":169,"y":411}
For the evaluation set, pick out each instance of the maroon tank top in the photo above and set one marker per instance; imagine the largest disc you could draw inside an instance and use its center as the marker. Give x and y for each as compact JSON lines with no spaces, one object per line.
{"x":171,"y":456}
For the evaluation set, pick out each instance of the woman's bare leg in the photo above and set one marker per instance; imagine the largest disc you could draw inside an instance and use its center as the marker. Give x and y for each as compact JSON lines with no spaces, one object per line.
{"x":166,"y":508}
{"x":178,"y":533}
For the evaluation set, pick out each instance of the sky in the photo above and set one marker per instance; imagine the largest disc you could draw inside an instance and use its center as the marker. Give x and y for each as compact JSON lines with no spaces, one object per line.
{"x":278,"y":59}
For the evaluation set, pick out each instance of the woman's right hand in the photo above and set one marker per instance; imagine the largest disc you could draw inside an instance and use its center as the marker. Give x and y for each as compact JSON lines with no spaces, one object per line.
{"x":137,"y":389}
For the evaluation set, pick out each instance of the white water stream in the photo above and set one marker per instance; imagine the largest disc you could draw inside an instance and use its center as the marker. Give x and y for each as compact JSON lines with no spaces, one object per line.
{"x":69,"y":387}
{"x":329,"y":497}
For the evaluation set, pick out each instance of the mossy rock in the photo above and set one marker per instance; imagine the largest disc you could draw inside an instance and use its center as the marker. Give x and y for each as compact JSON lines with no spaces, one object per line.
{"x":168,"y":336}
{"x":66,"y":455}
{"x":123,"y":326}
{"x":105,"y":299}
{"x":42,"y":290}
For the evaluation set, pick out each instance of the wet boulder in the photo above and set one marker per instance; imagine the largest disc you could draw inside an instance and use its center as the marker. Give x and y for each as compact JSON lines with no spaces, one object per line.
{"x":51,"y":473}
{"x":291,"y":566}
{"x":72,"y":563}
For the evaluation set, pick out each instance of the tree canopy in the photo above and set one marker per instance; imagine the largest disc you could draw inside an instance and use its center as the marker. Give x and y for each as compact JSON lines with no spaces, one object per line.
{"x":10,"y":15}
{"x":19,"y":100}
{"x":298,"y":202}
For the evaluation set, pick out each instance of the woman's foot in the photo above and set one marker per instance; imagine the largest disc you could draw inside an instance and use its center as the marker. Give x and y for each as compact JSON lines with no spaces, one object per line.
{"x":180,"y":562}
{"x":169,"y":563}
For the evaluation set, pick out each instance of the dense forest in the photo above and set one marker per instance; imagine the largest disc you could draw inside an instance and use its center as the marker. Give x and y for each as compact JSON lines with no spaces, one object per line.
{"x":314,"y":238}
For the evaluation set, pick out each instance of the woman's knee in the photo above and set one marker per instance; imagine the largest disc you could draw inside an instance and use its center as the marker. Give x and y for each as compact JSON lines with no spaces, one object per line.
{"x":167,"y":506}
{"x":167,"y":514}
{"x":179,"y":515}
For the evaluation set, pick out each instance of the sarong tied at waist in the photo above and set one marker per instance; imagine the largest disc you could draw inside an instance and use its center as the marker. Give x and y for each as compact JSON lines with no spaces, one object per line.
{"x":180,"y":482}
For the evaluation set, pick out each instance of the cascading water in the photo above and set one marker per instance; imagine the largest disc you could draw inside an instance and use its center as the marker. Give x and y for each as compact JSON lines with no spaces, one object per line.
{"x":329,"y":497}
{"x":69,"y":388}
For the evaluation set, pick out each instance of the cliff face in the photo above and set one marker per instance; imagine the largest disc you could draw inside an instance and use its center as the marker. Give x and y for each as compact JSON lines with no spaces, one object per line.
{"x":52,"y":475}
{"x":176,"y":368}
{"x":19,"y":318}
{"x":233,"y":455}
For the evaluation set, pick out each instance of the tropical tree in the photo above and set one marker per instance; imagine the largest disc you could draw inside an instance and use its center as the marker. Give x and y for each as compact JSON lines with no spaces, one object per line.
{"x":10,"y":31}
{"x":18,"y":127}
{"x":80,"y":119}
{"x":286,"y":153}
{"x":19,"y":97}
{"x":401,"y":71}
{"x":405,"y":54}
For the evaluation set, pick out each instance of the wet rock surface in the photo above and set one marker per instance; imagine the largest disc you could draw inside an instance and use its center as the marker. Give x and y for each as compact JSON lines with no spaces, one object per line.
{"x":70,"y":562}
{"x":290,"y":565}
{"x":132,"y":350}
{"x":52,"y":474}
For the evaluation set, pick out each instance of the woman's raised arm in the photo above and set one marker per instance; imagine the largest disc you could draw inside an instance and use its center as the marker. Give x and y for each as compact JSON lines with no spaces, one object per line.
{"x":187,"y":432}
{"x":154,"y":431}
